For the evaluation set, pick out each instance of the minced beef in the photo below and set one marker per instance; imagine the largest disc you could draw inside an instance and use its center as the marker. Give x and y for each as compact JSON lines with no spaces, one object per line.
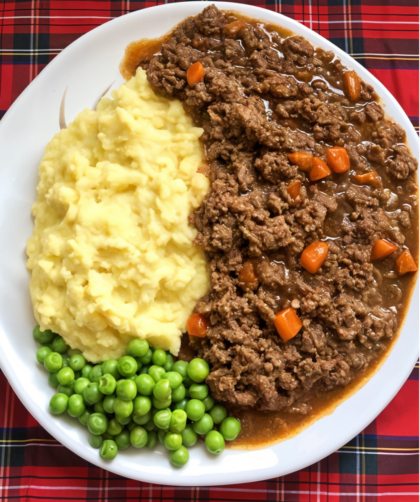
{"x":264,"y":97}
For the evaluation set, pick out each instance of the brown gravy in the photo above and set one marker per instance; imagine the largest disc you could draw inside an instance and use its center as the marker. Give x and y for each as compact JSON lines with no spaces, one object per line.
{"x":263,"y":428}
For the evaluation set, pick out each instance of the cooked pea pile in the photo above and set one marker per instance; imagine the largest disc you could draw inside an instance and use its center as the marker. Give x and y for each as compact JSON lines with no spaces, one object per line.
{"x":142,"y":398}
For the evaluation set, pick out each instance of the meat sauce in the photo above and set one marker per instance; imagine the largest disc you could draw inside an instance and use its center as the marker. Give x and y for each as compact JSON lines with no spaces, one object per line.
{"x":369,"y":138}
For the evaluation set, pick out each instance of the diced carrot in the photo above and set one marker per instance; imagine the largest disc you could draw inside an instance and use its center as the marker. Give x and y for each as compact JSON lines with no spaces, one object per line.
{"x":294,"y":189}
{"x":373,"y":179}
{"x":287,"y":324}
{"x":405,"y":263}
{"x":381,"y":249}
{"x":232,"y":29}
{"x":247,"y":275}
{"x":195,"y":74}
{"x":302,"y":160}
{"x":197,"y":325}
{"x":319,"y":169}
{"x":338,"y":159}
{"x":352,"y":83}
{"x":314,"y":256}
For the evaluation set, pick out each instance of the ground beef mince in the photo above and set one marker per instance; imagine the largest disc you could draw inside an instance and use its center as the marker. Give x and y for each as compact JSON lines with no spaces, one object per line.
{"x":264,"y":96}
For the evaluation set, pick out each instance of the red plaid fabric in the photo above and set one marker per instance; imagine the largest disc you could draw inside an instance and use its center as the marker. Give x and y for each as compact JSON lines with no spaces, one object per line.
{"x":381,"y":463}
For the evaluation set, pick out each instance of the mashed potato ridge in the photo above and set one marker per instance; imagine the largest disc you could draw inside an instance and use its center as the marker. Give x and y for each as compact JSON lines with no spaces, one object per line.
{"x":112,"y":254}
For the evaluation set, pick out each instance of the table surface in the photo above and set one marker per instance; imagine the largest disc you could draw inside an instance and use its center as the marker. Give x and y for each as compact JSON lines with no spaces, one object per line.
{"x":381,"y":463}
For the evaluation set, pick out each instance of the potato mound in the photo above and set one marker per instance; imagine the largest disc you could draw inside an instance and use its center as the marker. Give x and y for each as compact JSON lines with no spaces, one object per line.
{"x":112,"y":254}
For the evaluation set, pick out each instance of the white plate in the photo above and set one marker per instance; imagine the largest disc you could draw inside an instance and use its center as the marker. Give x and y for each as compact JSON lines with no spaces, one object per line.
{"x":87,"y":67}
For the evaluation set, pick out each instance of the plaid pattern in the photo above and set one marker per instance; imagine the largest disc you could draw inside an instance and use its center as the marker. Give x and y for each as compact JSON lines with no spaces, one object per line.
{"x":381,"y":463}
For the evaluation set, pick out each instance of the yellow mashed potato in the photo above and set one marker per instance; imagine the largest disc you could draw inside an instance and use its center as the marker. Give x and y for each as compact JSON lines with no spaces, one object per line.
{"x":111,"y":252}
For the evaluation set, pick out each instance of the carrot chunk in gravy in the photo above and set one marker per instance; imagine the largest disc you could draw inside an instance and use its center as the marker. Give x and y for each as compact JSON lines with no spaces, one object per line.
{"x":197,"y":325}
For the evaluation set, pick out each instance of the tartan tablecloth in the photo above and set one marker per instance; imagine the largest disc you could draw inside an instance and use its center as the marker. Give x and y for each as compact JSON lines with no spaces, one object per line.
{"x":381,"y":463}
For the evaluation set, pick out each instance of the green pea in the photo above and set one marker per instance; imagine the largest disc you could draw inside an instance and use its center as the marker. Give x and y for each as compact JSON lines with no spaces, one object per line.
{"x":189,"y":436}
{"x":127,"y":366}
{"x":77,"y":362}
{"x":214,"y":442}
{"x":162,"y":390}
{"x":41,"y":354}
{"x":137,"y":347}
{"x":91,"y":393}
{"x":80,"y":384}
{"x":65,"y":389}
{"x":71,"y":352}
{"x":96,"y":373}
{"x":108,"y":404}
{"x":126,"y":390}
{"x":161,"y":435}
{"x":97,"y":423}
{"x":109,"y":449}
{"x":173,"y":441}
{"x":178,"y":394}
{"x":107,"y":384}
{"x":58,"y":404}
{"x":86,"y":371}
{"x":145,"y":384}
{"x":53,"y":362}
{"x":53,"y":380}
{"x":204,"y":425}
{"x":147,"y":358}
{"x":59,"y":345}
{"x":145,"y":369}
{"x":180,"y":456}
{"x":43,"y":337}
{"x":110,"y":366}
{"x":122,"y":420}
{"x":195,"y":410}
{"x":198,"y":370}
{"x":132,"y":378}
{"x":95,"y":441}
{"x":151,"y":440}
{"x":230,"y":428}
{"x":142,"y":419}
{"x":76,"y":406}
{"x":84,"y":417}
{"x":169,"y":362}
{"x":181,"y":367}
{"x":218,"y":413}
{"x":105,"y":436}
{"x":138,"y":437}
{"x":114,"y":427}
{"x":161,"y":405}
{"x":199,"y":391}
{"x":180,"y":405}
{"x":187,"y":382}
{"x":156,"y":372}
{"x":65,"y":376}
{"x":142,"y":405}
{"x":66,"y":362}
{"x":162,"y":419}
{"x":99,"y":408}
{"x":175,"y":379}
{"x":123,"y":440}
{"x":123,"y":408}
{"x":208,"y":403}
{"x":150,"y":426}
{"x":178,"y":421}
{"x":159,"y":357}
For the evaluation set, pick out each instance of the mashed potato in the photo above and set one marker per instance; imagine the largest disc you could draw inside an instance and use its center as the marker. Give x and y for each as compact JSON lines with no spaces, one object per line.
{"x":111,"y":253}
